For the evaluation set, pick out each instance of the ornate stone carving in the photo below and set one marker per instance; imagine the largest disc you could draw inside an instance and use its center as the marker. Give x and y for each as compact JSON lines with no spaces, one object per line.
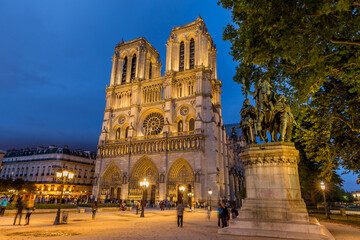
{"x":153,"y":124}
{"x":184,"y":111}
{"x":121,"y":120}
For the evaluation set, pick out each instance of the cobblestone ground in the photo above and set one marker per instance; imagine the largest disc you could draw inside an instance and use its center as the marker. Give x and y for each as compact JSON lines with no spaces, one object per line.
{"x":125,"y":225}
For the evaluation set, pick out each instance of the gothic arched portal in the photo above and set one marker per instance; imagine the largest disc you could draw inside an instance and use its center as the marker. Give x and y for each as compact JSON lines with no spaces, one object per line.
{"x":144,"y":168}
{"x":180,"y":174}
{"x":111,"y":182}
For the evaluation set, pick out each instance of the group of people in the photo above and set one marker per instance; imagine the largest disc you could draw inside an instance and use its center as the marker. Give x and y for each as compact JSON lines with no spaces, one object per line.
{"x":28,"y":204}
{"x":223,"y":213}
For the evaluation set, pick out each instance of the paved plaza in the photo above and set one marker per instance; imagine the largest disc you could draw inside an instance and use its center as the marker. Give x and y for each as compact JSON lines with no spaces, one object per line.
{"x":124,"y":225}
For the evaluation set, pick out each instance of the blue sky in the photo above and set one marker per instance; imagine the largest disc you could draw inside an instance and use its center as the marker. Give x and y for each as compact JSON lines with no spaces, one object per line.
{"x":55,"y":61}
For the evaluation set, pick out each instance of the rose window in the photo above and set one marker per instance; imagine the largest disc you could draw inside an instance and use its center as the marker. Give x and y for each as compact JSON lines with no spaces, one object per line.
{"x":153,"y":124}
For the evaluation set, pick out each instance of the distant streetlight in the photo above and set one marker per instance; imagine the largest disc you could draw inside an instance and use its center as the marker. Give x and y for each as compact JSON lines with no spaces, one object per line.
{"x":190,"y":195}
{"x":64,"y":176}
{"x":144,"y":185}
{"x":210,"y":193}
{"x":323,"y":188}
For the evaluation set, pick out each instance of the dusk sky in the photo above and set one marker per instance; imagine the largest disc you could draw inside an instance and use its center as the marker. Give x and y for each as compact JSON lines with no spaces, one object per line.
{"x":55,"y":62}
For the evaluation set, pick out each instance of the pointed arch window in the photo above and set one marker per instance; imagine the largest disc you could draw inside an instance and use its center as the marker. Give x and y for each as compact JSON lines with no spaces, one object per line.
{"x":192,"y":125}
{"x":127,"y":132}
{"x":192,"y":54}
{"x":180,"y":126}
{"x":182,"y":55}
{"x":123,"y":77}
{"x":150,"y":68}
{"x":133,"y":67}
{"x":117,"y":134}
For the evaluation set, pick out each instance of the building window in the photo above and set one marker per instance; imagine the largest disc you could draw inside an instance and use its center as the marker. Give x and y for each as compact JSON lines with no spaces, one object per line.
{"x":181,"y":59}
{"x":191,"y":124}
{"x":150,"y":68}
{"x":192,"y":54}
{"x":123,"y":77}
{"x":127,"y":132}
{"x":133,"y":67}
{"x":117,"y":135}
{"x":179,"y":88}
{"x":180,"y":126}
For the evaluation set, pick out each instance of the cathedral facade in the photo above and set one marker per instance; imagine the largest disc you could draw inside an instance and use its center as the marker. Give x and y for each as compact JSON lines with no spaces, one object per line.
{"x":165,"y":129}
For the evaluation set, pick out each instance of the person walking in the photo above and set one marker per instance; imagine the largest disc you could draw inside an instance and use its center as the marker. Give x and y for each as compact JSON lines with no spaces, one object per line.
{"x":208,"y":213}
{"x":4,"y":203}
{"x":29,"y":209}
{"x":224,"y":215}
{"x":180,"y":214}
{"x":20,"y":207}
{"x":219,"y":213}
{"x":94,"y":208}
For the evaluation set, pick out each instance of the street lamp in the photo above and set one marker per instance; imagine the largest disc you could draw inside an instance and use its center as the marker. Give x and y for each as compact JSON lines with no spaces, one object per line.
{"x":323,"y":188}
{"x":143,"y":184}
{"x":190,"y":195}
{"x":210,"y":193}
{"x":64,"y":176}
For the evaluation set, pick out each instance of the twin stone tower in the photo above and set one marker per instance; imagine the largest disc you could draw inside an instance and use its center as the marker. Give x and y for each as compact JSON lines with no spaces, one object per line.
{"x":169,"y":131}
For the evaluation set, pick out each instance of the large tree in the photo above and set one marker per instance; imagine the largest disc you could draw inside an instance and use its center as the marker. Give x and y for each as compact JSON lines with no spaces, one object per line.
{"x":310,"y":50}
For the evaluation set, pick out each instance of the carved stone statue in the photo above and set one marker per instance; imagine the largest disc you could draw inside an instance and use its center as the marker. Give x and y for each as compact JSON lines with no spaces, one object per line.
{"x":264,"y":98}
{"x":283,"y":119}
{"x":247,"y":123}
{"x":270,"y":115}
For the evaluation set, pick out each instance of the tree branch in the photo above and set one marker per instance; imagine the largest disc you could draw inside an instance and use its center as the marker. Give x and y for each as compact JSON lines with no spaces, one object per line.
{"x":346,"y":41}
{"x":348,"y":124}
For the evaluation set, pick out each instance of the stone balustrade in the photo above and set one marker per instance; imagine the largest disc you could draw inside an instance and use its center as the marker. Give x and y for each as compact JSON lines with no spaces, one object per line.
{"x":155,"y":145}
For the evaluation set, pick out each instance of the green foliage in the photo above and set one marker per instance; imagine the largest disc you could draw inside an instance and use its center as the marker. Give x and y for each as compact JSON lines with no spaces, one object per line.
{"x":5,"y":185}
{"x":53,"y":206}
{"x":310,"y":50}
{"x":19,"y":185}
{"x":101,"y":205}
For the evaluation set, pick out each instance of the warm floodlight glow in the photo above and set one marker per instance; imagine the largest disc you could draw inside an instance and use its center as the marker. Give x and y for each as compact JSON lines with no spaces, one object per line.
{"x":65,"y":173}
{"x":71,"y":175}
{"x":182,"y":188}
{"x":144,"y":183}
{"x":322,"y":185}
{"x":210,"y":192}
{"x":59,"y":174}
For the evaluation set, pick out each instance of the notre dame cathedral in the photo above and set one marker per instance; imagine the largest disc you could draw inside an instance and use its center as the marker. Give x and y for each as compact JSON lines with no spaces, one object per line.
{"x":167,"y":129}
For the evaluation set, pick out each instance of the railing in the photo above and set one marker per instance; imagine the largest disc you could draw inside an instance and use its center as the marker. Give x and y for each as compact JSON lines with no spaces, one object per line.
{"x":179,"y":143}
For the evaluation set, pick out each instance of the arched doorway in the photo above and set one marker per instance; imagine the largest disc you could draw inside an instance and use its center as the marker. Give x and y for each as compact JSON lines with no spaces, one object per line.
{"x":181,"y":182}
{"x":144,"y":168}
{"x":111,"y":183}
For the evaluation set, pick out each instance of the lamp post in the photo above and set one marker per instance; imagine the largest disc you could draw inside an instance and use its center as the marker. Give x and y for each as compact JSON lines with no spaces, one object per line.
{"x":64,"y":176}
{"x":323,"y":188}
{"x":143,"y":184}
{"x":190,"y":195}
{"x":210,"y":193}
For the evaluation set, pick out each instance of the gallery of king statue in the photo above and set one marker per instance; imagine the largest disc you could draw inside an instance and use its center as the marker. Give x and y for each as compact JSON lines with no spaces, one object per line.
{"x":270,"y":115}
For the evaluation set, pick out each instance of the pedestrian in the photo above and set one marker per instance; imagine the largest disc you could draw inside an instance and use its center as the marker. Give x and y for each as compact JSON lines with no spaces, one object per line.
{"x":20,"y":207}
{"x":180,"y":214}
{"x":208,"y":213}
{"x":234,"y":212}
{"x":29,"y":209}
{"x":4,"y":203}
{"x":28,"y":214}
{"x":219,"y":213}
{"x":224,"y":215}
{"x":137,"y":205}
{"x":94,"y":208}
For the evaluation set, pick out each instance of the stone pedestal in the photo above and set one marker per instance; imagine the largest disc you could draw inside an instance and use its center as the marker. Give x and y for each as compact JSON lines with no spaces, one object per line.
{"x":274,"y":207}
